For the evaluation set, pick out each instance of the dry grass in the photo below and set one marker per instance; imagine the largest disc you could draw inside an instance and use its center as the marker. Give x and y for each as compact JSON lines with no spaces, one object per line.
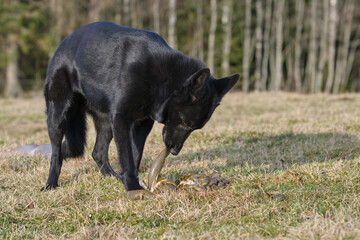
{"x":303,"y":148}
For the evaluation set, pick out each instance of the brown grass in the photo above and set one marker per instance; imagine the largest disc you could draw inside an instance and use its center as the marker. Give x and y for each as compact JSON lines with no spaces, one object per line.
{"x":300,"y":147}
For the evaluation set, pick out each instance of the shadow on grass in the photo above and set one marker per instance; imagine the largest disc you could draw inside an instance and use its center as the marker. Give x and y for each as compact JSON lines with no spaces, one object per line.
{"x":260,"y":152}
{"x":271,"y":153}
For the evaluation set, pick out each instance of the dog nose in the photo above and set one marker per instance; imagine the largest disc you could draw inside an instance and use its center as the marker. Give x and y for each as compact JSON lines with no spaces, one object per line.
{"x":174,"y":151}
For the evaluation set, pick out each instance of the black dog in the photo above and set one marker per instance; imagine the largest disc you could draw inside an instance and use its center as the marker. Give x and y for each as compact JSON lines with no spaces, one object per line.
{"x":125,"y":79}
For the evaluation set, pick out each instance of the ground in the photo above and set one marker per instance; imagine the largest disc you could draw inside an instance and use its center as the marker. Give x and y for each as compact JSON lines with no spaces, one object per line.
{"x":293,"y":160}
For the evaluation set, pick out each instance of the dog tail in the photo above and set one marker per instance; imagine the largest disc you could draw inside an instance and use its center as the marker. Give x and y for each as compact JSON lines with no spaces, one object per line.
{"x":75,"y":134}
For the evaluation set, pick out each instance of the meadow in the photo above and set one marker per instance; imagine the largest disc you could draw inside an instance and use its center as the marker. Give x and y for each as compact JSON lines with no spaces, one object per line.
{"x":293,"y":161}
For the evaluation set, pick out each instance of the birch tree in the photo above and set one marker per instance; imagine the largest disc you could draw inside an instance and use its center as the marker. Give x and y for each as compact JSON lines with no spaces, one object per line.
{"x":265,"y":59}
{"x":331,"y":45}
{"x":94,"y":10}
{"x":272,"y":55}
{"x":298,"y":34}
{"x":156,"y":16}
{"x":247,"y":47}
{"x":172,"y":23}
{"x":133,"y":14}
{"x":12,"y":82}
{"x":57,"y":20}
{"x":323,"y":46}
{"x":211,"y":47}
{"x":311,"y":63}
{"x":351,"y":58}
{"x":342,"y":60}
{"x":118,"y":11}
{"x":198,"y":48}
{"x":279,"y":42}
{"x":12,"y":86}
{"x":258,"y":45}
{"x":127,"y":20}
{"x":226,"y":20}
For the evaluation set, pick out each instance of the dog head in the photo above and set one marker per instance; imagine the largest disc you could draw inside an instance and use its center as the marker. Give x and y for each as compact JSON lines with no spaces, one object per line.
{"x":192,"y":106}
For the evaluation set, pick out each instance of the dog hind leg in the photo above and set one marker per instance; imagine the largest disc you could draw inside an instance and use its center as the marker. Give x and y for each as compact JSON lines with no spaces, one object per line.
{"x":58,"y":96}
{"x":56,"y":128}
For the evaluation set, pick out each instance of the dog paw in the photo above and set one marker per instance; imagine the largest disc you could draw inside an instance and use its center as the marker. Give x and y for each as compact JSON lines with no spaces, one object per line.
{"x":48,"y":187}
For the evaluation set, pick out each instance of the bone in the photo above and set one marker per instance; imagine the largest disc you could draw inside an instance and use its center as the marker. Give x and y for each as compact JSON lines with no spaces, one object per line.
{"x":139,"y":194}
{"x":156,"y":169}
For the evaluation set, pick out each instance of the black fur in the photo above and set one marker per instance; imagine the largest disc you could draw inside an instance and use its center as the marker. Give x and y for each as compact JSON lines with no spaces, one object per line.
{"x":125,"y":79}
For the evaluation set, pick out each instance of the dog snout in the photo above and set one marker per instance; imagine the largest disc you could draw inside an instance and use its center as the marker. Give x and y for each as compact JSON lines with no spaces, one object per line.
{"x":174,"y":139}
{"x":175,"y":150}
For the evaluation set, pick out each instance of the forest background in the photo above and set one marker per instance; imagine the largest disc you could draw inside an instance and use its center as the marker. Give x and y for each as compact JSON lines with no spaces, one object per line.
{"x":305,"y":46}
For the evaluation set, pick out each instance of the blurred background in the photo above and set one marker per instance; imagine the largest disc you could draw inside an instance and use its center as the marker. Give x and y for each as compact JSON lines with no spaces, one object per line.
{"x":305,"y":46}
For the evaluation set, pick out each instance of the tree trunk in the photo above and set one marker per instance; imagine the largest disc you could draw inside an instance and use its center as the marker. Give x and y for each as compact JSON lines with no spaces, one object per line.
{"x":258,"y":46}
{"x":133,"y":14}
{"x":57,"y":22}
{"x":311,"y":63}
{"x":127,"y":20}
{"x":172,"y":23}
{"x":53,"y":21}
{"x":267,"y":29}
{"x":156,"y":15}
{"x":94,"y":10}
{"x":118,"y":11}
{"x":74,"y":19}
{"x":331,"y":37}
{"x":342,"y":60}
{"x":200,"y":32}
{"x":323,"y":46}
{"x":226,"y":19}
{"x":12,"y":85}
{"x":198,"y":48}
{"x":272,"y":50}
{"x":279,"y":42}
{"x":247,"y":47}
{"x":211,"y":49}
{"x":288,"y":77}
{"x":290,"y":69}
{"x":351,"y":58}
{"x":297,"y":56}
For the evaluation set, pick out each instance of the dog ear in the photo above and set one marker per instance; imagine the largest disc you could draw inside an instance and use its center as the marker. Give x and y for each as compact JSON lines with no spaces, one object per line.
{"x":197,"y":81}
{"x":223,"y":85}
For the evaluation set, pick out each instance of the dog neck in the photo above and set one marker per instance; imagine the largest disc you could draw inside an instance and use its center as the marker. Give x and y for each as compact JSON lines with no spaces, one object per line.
{"x":158,"y":112}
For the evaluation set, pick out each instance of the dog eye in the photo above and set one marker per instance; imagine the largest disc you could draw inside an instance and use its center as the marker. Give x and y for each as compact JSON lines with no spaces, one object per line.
{"x":185,"y":125}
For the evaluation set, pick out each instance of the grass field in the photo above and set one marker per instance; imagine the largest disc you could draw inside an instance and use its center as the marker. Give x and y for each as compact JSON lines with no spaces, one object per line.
{"x":305,"y":148}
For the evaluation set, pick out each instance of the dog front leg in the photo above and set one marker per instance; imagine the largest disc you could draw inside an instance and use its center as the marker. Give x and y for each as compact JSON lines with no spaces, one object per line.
{"x":123,"y":140}
{"x":139,"y":134}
